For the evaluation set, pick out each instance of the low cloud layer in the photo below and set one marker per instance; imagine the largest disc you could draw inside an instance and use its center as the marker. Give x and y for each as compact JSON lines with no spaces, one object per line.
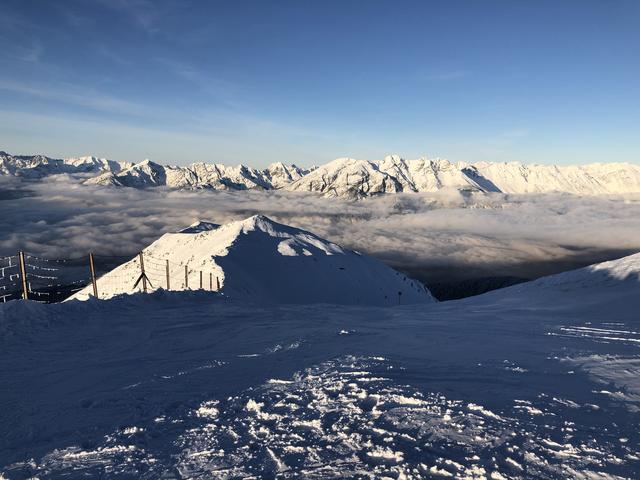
{"x":436,"y":237}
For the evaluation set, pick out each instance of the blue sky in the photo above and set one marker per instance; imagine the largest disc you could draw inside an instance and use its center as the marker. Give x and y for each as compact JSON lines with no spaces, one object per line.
{"x":308,"y":81}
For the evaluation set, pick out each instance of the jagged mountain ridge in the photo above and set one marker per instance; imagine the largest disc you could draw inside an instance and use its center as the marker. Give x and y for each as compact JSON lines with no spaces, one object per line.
{"x":150,"y":174}
{"x":39,"y":166}
{"x":347,"y":177}
{"x":201,"y":175}
{"x":344,"y":177}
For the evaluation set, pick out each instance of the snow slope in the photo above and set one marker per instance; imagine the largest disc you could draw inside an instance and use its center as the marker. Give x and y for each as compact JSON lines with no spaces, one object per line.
{"x":260,"y":260}
{"x":605,"y":275}
{"x":522,"y":384}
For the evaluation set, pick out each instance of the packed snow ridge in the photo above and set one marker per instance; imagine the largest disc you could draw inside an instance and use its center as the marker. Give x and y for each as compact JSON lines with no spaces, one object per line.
{"x":259,"y":260}
{"x":344,"y":177}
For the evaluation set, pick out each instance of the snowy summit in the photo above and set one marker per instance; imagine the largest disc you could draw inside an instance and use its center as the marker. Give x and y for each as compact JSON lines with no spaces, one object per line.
{"x":260,"y":260}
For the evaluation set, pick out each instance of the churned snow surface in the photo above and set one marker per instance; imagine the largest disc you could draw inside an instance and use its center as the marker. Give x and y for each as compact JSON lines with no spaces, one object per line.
{"x":260,"y":260}
{"x":531,"y":382}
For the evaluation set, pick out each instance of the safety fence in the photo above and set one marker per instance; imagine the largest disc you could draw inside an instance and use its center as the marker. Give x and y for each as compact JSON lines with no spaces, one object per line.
{"x":52,"y":280}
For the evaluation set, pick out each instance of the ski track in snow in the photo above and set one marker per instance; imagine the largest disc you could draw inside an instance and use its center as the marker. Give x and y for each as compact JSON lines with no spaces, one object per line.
{"x":604,"y":335}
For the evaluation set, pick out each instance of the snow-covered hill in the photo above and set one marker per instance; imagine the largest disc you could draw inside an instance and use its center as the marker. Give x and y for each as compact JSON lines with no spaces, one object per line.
{"x":260,"y":260}
{"x":39,"y":166}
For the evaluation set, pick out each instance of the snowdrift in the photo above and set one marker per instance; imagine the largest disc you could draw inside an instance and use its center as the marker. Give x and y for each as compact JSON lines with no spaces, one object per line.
{"x":260,"y":260}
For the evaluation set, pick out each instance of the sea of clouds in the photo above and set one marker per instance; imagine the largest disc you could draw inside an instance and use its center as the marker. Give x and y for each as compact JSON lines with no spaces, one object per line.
{"x":440,"y":236}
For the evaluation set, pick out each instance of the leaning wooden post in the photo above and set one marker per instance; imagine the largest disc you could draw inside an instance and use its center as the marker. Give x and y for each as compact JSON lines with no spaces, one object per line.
{"x":168,"y":283}
{"x":186,"y":277}
{"x":93,"y":276}
{"x":210,"y":281}
{"x":23,"y":275}
{"x":143,"y":275}
{"x":217,"y":284}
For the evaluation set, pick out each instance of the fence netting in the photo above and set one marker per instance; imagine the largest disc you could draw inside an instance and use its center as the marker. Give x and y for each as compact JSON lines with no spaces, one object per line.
{"x":52,"y":280}
{"x":10,"y":288}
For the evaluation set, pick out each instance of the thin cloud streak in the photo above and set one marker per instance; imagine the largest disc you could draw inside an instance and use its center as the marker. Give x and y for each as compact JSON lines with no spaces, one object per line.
{"x":74,"y":95}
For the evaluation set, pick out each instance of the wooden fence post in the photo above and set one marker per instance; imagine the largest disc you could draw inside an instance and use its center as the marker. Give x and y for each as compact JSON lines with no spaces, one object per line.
{"x":23,"y":274}
{"x":200,"y":279}
{"x":217,"y":284}
{"x":210,"y":281}
{"x":144,"y":276}
{"x":186,"y":277}
{"x":168,"y":283}
{"x":93,"y":275}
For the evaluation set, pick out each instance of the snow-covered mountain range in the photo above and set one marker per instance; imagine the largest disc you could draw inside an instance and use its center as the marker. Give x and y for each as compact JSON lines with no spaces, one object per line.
{"x":39,"y":166}
{"x":150,"y":174}
{"x":201,"y":175}
{"x":259,"y":260}
{"x":344,"y":177}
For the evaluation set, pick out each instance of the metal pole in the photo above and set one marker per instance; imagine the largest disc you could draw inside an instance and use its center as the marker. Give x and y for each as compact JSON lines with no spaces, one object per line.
{"x":144,"y":276}
{"x":186,"y":277}
{"x":23,"y":274}
{"x":168,"y":284}
{"x":93,"y":276}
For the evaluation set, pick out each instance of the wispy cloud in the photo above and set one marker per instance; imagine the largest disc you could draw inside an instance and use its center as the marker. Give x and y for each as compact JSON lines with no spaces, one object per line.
{"x":112,"y":55}
{"x":17,"y":39}
{"x":74,"y":95}
{"x":28,"y":53}
{"x":184,"y":137}
{"x":213,"y":86}
{"x":72,"y":17}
